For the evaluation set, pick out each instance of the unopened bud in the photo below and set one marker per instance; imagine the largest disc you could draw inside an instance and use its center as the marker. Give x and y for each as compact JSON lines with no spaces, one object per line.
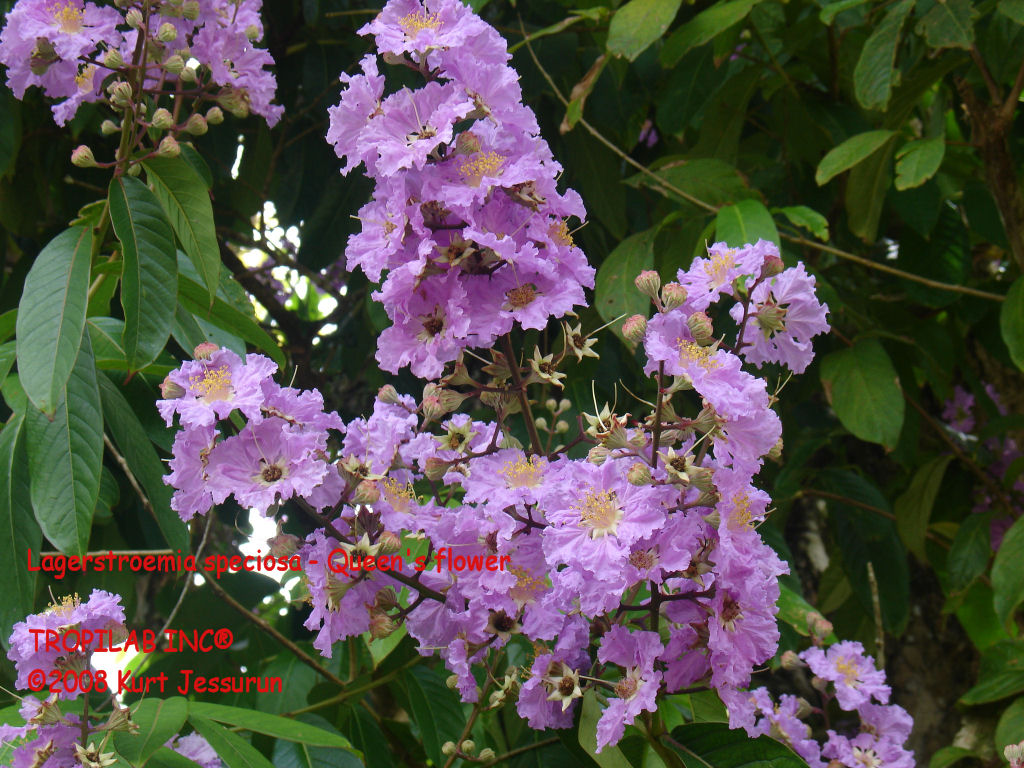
{"x":283,"y":545}
{"x":790,"y":661}
{"x":448,"y":748}
{"x":819,"y":684}
{"x":648,"y":283}
{"x":452,"y":681}
{"x":120,"y":94}
{"x":1014,"y":753}
{"x":564,"y":405}
{"x":108,"y":127}
{"x":598,"y":455}
{"x":196,"y":125}
{"x":121,"y":720}
{"x":819,"y":626}
{"x":190,"y":10}
{"x":174,"y":64}
{"x":541,"y":423}
{"x":367,"y":492}
{"x":134,"y":169}
{"x":561,"y":427}
{"x":167,"y":33}
{"x":389,"y":542}
{"x":673,"y":295}
{"x":467,"y":143}
{"x":639,"y":474}
{"x":134,"y":18}
{"x":635,"y":328}
{"x":486,"y":754}
{"x":171,"y":390}
{"x":551,"y":404}
{"x":772,"y":265}
{"x":168,"y":147}
{"x":162,"y":119}
{"x":381,"y":625}
{"x":386,"y":599}
{"x":435,"y":468}
{"x":188,"y":75}
{"x":234,"y":102}
{"x":113,"y":60}
{"x":700,"y":328}
{"x":469,"y":747}
{"x":388,"y":394}
{"x":204,"y":351}
{"x":775,"y":454}
{"x":82,"y":157}
{"x":253,"y":32}
{"x":214,"y":116}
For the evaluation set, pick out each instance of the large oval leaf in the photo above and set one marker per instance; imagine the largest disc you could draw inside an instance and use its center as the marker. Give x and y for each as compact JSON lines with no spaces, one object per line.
{"x":1007,"y":574}
{"x":149,"y":276}
{"x":158,"y":721}
{"x":874,"y":75}
{"x":51,"y":316}
{"x":745,"y":222}
{"x":614,"y":291}
{"x":863,"y":389}
{"x":850,"y":153}
{"x":20,"y":532}
{"x":1011,"y":322}
{"x":233,"y":750}
{"x":65,"y":456}
{"x":271,"y":725}
{"x":714,"y":745}
{"x":639,"y":23}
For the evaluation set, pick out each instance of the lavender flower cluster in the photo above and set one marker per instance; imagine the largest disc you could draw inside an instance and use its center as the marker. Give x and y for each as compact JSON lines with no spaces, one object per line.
{"x":52,"y":737}
{"x":466,"y":219}
{"x":73,"y":49}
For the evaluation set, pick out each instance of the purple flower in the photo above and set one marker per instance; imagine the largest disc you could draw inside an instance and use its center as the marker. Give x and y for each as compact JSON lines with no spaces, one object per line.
{"x":855,"y":677}
{"x":706,"y":279}
{"x":215,"y":386}
{"x":195,"y":748}
{"x":958,"y":412}
{"x":189,"y":476}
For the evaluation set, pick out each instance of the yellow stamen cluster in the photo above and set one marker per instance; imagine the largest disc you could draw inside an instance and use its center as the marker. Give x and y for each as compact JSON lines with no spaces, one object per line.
{"x":718,"y":269}
{"x":68,"y":18}
{"x":213,"y":385}
{"x":523,"y":472}
{"x":417,"y":21}
{"x":693,"y":353}
{"x":600,"y":511}
{"x":848,"y":670}
{"x":67,"y":604}
{"x":560,"y":233}
{"x":482,"y":164}
{"x":526,"y":587}
{"x":741,"y":515}
{"x":398,"y":495}
{"x":84,"y":78}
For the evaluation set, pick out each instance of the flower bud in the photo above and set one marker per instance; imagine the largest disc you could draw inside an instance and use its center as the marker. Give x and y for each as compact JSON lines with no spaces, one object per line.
{"x":381,"y":625}
{"x":168,"y":147}
{"x":196,"y":125}
{"x":486,"y":754}
{"x":253,"y":32}
{"x":448,"y":748}
{"x":214,"y":116}
{"x":107,"y":127}
{"x":435,"y":468}
{"x":388,"y":394}
{"x":204,"y":351}
{"x":790,"y":661}
{"x":283,"y":545}
{"x":551,"y":404}
{"x":167,"y":33}
{"x":598,"y":455}
{"x":772,"y":265}
{"x":113,"y":60}
{"x":673,"y":295}
{"x":775,"y":454}
{"x":541,"y":423}
{"x":367,"y":492}
{"x":819,"y":626}
{"x":190,"y":10}
{"x":134,"y":18}
{"x":188,"y":75}
{"x":174,"y":64}
{"x":1014,"y":754}
{"x":561,"y":426}
{"x":648,"y":282}
{"x":700,"y":328}
{"x":171,"y":390}
{"x":134,"y":169}
{"x":469,"y":747}
{"x":639,"y":474}
{"x":389,"y":542}
{"x":467,"y":143}
{"x":162,"y":119}
{"x":452,"y":681}
{"x":635,"y":328}
{"x":120,"y":94}
{"x":82,"y":157}
{"x":564,"y":405}
{"x":234,"y":102}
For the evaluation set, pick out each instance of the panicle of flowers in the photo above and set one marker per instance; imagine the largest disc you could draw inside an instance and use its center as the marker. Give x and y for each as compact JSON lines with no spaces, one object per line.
{"x":466,"y":218}
{"x":280,"y":452}
{"x":78,"y":52}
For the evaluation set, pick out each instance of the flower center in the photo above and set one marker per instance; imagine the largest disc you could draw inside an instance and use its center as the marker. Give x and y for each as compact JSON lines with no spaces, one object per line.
{"x":270,"y":473}
{"x":523,"y":472}
{"x":522,"y":296}
{"x":566,"y":686}
{"x":718,"y":269}
{"x":695,"y":354}
{"x":398,"y":495}
{"x":599,"y":511}
{"x":848,"y":669}
{"x":730,"y":613}
{"x":526,"y":585}
{"x":741,"y":515}
{"x":84,"y":78}
{"x":417,"y":21}
{"x":67,"y":604}
{"x":433,"y":325}
{"x":559,"y":232}
{"x":627,"y":687}
{"x":643,"y":560}
{"x":867,"y":757}
{"x":212,"y":385}
{"x":483,"y":164}
{"x":67,"y":18}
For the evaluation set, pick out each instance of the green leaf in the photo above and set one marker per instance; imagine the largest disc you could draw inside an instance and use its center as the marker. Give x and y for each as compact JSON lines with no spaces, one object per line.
{"x":1013,"y":10}
{"x":271,"y":725}
{"x":714,"y":745}
{"x":158,"y":721}
{"x":435,"y":709}
{"x":913,"y":508}
{"x":948,"y":756}
{"x":795,"y":610}
{"x":917,"y":161}
{"x":144,"y":462}
{"x":590,"y":713}
{"x":949,"y":24}
{"x":290,"y":755}
{"x":51,"y":316}
{"x":168,"y":758}
{"x":874,"y":76}
{"x":186,"y":201}
{"x":863,"y":389}
{"x":65,"y":456}
{"x":639,"y":23}
{"x":1011,"y":322}
{"x":745,"y":222}
{"x":851,"y":152}
{"x":806,"y":218}
{"x":297,"y":680}
{"x":977,"y":615}
{"x":20,"y":532}
{"x":614,"y":292}
{"x":1007,"y":574}
{"x":969,"y":554}
{"x":703,"y":28}
{"x":833,"y":9}
{"x":707,"y":179}
{"x":8,"y":322}
{"x":8,"y":352}
{"x":1010,"y":729}
{"x":149,"y":277}
{"x":193,"y":298}
{"x":232,"y":749}
{"x":1000,"y":674}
